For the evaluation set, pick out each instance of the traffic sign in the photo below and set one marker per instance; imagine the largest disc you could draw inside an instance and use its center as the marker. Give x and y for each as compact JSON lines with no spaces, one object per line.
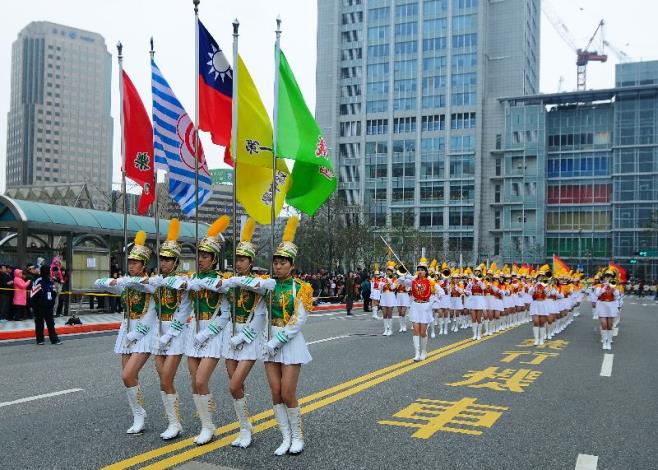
{"x":633,"y":261}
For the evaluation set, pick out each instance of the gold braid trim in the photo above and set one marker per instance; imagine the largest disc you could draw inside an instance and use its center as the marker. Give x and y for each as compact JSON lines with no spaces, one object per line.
{"x":305,"y":295}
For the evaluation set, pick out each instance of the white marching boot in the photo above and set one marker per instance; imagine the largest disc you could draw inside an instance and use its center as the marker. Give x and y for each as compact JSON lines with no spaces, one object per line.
{"x":136,"y":400}
{"x":416,"y":347}
{"x":423,"y":348}
{"x":431,"y":327}
{"x":204,"y":407}
{"x":170,"y":402}
{"x":244,"y":439}
{"x":535,"y":333}
{"x":296,"y":434}
{"x":474,"y":328}
{"x":542,"y":335}
{"x":281,"y":415}
{"x":374,"y":313}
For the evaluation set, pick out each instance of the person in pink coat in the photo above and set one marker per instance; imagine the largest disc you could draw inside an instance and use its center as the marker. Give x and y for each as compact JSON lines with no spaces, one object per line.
{"x":21,"y":286}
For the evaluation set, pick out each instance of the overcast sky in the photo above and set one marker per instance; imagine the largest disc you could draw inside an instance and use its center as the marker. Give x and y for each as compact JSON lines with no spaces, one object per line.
{"x":629,"y":26}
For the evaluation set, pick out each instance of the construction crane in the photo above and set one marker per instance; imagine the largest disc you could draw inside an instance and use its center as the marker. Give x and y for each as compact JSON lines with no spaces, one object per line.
{"x":621,"y":55}
{"x":583,"y":55}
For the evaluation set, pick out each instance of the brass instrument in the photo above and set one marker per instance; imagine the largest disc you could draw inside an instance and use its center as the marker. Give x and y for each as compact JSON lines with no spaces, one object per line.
{"x":401,"y":270}
{"x":613,"y":282}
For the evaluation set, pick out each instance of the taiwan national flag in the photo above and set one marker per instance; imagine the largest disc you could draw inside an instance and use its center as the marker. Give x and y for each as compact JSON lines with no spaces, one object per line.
{"x":215,"y":91}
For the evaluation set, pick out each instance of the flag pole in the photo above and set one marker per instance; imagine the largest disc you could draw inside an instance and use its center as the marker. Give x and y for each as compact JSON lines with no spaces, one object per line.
{"x":196,"y":124}
{"x":123,"y":176}
{"x":275,"y":112}
{"x":123,"y":163}
{"x":234,"y":154}
{"x":156,"y":215}
{"x":156,"y":209}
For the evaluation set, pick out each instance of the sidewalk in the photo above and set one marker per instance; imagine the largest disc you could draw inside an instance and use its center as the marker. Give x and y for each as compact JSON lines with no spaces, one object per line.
{"x":96,"y":322}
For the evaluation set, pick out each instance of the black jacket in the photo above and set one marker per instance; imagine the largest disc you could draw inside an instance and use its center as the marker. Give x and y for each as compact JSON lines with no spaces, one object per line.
{"x":43,"y":294}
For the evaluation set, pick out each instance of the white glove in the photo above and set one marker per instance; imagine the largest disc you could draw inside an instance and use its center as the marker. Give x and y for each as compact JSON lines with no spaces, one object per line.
{"x":273,"y":346}
{"x":156,"y":281}
{"x":165,"y":341}
{"x":194,"y":284}
{"x":132,"y":337}
{"x":237,"y":340}
{"x":201,"y":338}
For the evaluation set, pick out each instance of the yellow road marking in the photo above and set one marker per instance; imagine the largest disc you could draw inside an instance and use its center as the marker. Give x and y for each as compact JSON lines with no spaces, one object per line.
{"x":321,"y":399}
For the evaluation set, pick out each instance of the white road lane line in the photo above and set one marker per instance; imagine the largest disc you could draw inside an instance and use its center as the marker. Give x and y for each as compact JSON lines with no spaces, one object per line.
{"x":327,"y":339}
{"x":39,"y":397}
{"x":586,"y":462}
{"x":606,"y":366}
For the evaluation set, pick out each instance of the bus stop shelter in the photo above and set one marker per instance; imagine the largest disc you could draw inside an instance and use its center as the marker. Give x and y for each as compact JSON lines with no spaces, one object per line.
{"x":84,"y":238}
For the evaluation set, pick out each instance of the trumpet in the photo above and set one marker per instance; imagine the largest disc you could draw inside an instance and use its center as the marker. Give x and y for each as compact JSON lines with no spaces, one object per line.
{"x":613,"y":282}
{"x":401,"y":271}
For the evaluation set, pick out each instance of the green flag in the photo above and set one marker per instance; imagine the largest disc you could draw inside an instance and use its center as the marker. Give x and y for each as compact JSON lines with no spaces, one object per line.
{"x":299,"y":138}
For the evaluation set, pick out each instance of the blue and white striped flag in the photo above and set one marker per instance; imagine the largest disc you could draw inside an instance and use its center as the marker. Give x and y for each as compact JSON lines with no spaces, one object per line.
{"x":173,"y":145}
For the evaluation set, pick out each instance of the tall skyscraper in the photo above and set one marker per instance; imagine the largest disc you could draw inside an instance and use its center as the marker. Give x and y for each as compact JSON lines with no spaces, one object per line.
{"x":407,"y":96}
{"x":59,"y":124}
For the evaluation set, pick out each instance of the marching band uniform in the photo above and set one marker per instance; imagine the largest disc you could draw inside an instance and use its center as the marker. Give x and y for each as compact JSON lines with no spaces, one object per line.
{"x":243,"y":342}
{"x":422,"y":289}
{"x":402,"y":300}
{"x":444,"y":302}
{"x":376,"y":291}
{"x":456,"y":291}
{"x":292,"y":299}
{"x":475,"y":301}
{"x":607,"y":305}
{"x":138,"y":326}
{"x":171,"y":304}
{"x":387,"y":300}
{"x":211,"y":314}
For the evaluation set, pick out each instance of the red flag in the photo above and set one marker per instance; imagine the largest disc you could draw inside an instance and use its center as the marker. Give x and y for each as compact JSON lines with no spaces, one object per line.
{"x":138,"y":142}
{"x":215,"y":92}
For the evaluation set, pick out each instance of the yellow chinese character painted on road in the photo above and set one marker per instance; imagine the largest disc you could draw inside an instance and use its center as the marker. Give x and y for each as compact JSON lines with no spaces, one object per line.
{"x":506,"y":380}
{"x":556,"y":344}
{"x":540,"y":357}
{"x":432,"y":416}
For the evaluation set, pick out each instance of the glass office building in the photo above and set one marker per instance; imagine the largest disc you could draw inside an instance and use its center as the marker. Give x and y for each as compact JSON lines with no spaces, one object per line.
{"x":577,"y":175}
{"x":407,"y":98}
{"x":59,"y":123}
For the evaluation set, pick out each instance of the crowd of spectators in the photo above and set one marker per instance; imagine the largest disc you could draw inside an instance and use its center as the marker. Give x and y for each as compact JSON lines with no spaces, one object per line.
{"x":16,"y":284}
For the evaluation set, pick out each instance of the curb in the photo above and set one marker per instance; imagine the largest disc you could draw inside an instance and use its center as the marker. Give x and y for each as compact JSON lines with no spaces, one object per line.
{"x":65,"y":330}
{"x":62,"y":330}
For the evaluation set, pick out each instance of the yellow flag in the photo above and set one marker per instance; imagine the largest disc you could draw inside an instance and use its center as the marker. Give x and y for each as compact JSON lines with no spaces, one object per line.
{"x":253,"y":158}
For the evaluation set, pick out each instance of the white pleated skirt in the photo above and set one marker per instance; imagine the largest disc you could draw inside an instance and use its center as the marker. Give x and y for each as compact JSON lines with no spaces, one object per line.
{"x":245,"y":351}
{"x":388,"y":299}
{"x":456,"y":303}
{"x":475,"y":302}
{"x":375,"y":294}
{"x":421,"y":313}
{"x":496,"y":304}
{"x":144,"y":345}
{"x":178,"y":344}
{"x":211,"y":348}
{"x":607,"y":309}
{"x":402,"y":299}
{"x":538,"y":307}
{"x":508,"y":302}
{"x":294,"y":351}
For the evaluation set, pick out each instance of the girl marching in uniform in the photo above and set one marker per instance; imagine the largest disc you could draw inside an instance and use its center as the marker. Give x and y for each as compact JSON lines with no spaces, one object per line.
{"x":376,"y":291}
{"x":402,"y":299}
{"x":443,"y":302}
{"x":387,"y":301}
{"x":243,"y":340}
{"x":135,"y":339}
{"x":607,"y":305}
{"x":211,"y":314}
{"x":422,"y":290}
{"x":286,"y":351}
{"x":171,"y":306}
{"x":539,"y":307}
{"x":475,"y":300}
{"x":456,"y":290}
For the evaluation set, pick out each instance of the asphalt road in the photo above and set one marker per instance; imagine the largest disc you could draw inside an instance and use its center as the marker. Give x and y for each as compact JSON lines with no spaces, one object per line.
{"x":365,"y":404}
